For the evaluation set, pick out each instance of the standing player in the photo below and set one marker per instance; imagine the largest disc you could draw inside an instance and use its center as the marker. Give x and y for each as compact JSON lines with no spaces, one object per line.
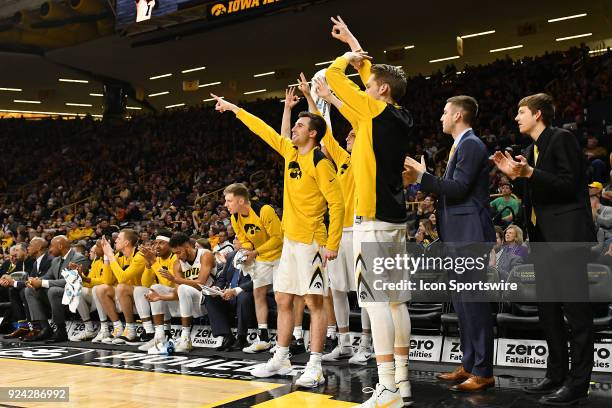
{"x":381,"y":143}
{"x":259,"y":230}
{"x":311,"y":187}
{"x":340,"y":270}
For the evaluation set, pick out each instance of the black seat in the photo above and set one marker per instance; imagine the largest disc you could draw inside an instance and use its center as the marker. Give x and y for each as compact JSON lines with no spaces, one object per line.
{"x":518,"y":309}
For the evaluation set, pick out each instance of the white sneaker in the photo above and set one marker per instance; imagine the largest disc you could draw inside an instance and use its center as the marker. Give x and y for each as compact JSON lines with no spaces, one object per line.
{"x":164,"y":348}
{"x":149,"y":344}
{"x":382,"y":397}
{"x":339,"y":353}
{"x":127,"y":337}
{"x":405,"y":391}
{"x":257,"y":347}
{"x":116,"y":333}
{"x":274,"y":366}
{"x":101,"y":336}
{"x":362,"y":356}
{"x":84,"y":336}
{"x":273,"y":349}
{"x":312,"y":377}
{"x":183,"y":345}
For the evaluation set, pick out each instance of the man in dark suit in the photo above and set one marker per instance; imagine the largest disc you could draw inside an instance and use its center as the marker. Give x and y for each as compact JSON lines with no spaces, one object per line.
{"x":558,"y":210}
{"x":37,"y":251}
{"x":464,"y":220}
{"x":236,"y":300}
{"x":46,"y":292}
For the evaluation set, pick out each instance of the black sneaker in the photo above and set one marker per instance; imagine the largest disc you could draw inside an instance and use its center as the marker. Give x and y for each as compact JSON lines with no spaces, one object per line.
{"x":297,"y":347}
{"x":330,"y":344}
{"x":145,"y":337}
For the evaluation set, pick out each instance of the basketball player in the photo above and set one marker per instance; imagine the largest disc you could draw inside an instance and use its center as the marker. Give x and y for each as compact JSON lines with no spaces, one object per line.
{"x":192,"y":269}
{"x":381,"y":143}
{"x":341,"y":270}
{"x":259,"y":230}
{"x":159,"y":258}
{"x":95,"y":277}
{"x":127,"y":266}
{"x":310,"y":188}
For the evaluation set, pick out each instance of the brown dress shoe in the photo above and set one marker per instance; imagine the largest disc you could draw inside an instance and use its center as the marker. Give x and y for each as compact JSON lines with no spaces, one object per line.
{"x":458,"y":375}
{"x":20,"y":332}
{"x":474,"y":384}
{"x":31,"y":335}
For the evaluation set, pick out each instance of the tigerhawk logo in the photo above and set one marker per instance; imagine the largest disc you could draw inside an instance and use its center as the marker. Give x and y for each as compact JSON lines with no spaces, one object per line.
{"x":295,"y":171}
{"x":234,"y":6}
{"x":218,"y":9}
{"x":251,"y":229}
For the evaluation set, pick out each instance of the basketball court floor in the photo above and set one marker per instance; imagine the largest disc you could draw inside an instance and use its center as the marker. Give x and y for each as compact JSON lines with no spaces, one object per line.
{"x":121,"y":377}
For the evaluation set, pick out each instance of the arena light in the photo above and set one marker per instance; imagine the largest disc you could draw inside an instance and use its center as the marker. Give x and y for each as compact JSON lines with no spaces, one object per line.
{"x":477,"y":34}
{"x":444,"y":59}
{"x":86,"y":105}
{"x":324,"y":63}
{"x":96,"y":94}
{"x":174,"y":106}
{"x":11,"y":89}
{"x":47,"y":113}
{"x":409,"y":47}
{"x":160,"y":76}
{"x":159,"y":94}
{"x":255,"y":92}
{"x":209,"y":84}
{"x":554,"y":20}
{"x":212,"y":99}
{"x":186,"y":71}
{"x":133,"y":107}
{"x":513,"y":47}
{"x":352,"y":75}
{"x":263,"y":74}
{"x":574,"y":36}
{"x":78,"y":81}
{"x":24,"y":101}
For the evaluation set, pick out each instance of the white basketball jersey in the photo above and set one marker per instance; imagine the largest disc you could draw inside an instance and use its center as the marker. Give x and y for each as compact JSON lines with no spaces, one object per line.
{"x":192,"y":270}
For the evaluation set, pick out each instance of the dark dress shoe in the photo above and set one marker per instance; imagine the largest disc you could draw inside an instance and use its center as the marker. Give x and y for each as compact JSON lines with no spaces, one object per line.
{"x":41,"y":335}
{"x":545,"y":386}
{"x":58,"y":337}
{"x":565,"y":396}
{"x":240,"y":343}
{"x":20,"y":332}
{"x":228,"y":340}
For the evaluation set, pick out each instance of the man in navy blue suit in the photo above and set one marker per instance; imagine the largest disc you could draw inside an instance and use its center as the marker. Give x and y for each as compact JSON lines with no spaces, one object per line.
{"x":464,"y":220}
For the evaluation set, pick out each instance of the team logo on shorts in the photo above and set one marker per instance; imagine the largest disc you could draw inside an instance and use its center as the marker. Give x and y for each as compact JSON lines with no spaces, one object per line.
{"x":362,"y":287}
{"x":317,"y":280}
{"x":295,"y":171}
{"x":251,"y":229}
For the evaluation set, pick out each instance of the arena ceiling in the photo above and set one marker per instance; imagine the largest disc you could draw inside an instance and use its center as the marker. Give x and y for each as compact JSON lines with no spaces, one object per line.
{"x":287,"y":43}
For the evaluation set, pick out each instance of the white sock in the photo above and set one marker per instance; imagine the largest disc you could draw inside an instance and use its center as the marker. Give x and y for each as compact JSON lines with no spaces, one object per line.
{"x":315,"y":358}
{"x":104,"y":326}
{"x":401,"y":368}
{"x":186,"y":333}
{"x":344,"y":339}
{"x":298,"y":332}
{"x":331,"y":332}
{"x":148,"y":326}
{"x":168,"y":325}
{"x":118,"y":325}
{"x":131,"y":327}
{"x":366,"y":340}
{"x":386,"y":375}
{"x":89,"y":326}
{"x":160,"y":334}
{"x":281,"y":352}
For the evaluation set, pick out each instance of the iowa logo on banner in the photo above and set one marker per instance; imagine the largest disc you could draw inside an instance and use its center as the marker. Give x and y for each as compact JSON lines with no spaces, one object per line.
{"x":224,"y":8}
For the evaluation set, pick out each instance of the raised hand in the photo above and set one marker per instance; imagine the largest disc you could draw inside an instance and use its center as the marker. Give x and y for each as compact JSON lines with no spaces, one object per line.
{"x":355,"y":58}
{"x":223,"y":105}
{"x":340,"y":30}
{"x":303,"y":85}
{"x":291,"y":99}
{"x":321,"y":88}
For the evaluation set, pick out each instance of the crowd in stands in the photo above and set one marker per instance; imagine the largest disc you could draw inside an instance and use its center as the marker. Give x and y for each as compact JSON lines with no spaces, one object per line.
{"x":84,"y":178}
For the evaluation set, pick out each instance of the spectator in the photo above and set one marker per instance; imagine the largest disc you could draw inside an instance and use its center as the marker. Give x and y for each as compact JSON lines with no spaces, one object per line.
{"x":506,"y":207}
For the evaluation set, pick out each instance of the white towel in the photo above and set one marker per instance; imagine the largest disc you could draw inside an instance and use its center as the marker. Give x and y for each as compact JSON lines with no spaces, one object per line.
{"x":72,"y":290}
